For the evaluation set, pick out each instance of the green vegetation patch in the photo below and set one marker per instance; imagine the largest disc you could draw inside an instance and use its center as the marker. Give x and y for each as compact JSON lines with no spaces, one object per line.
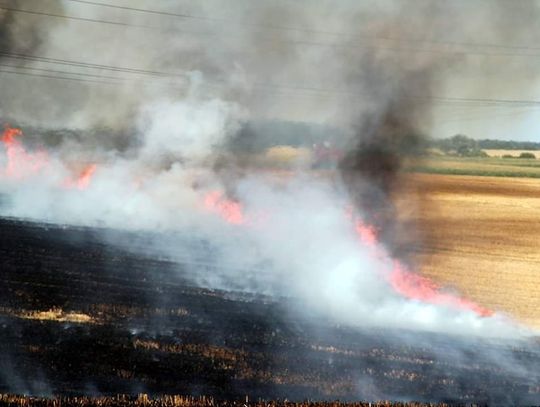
{"x":471,"y":171}
{"x":480,"y":166}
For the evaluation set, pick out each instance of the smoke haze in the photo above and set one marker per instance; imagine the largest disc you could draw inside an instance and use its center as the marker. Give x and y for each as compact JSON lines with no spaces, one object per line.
{"x":159,"y":122}
{"x":155,"y":102}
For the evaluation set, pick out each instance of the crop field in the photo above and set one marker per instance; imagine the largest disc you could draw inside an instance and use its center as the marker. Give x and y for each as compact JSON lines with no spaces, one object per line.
{"x":483,"y":239}
{"x":481,"y":166}
{"x":514,"y":153}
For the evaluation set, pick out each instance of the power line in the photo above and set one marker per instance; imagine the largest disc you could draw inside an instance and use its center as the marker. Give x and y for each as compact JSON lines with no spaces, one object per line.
{"x":285,"y":88}
{"x":37,"y":58}
{"x":271,"y":87}
{"x":207,"y":18}
{"x":525,"y":104}
{"x":308,"y":30}
{"x":62,"y":72}
{"x":55,"y":77}
{"x":349,"y":45}
{"x":157,"y":12}
{"x":523,"y":110}
{"x":91,"y":20}
{"x":529,"y":109}
{"x":503,"y":101}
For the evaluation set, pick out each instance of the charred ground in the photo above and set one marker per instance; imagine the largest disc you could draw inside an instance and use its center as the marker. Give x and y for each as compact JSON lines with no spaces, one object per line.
{"x":82,"y":317}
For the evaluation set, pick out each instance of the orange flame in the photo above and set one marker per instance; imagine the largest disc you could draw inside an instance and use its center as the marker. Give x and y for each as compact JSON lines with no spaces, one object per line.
{"x":8,"y":137}
{"x":414,"y":286}
{"x":20,"y":163}
{"x":420,"y":288}
{"x":229,"y":210}
{"x":404,"y":282}
{"x":367,"y":234}
{"x":411,"y":285}
{"x":86,"y":176}
{"x":83,"y":180}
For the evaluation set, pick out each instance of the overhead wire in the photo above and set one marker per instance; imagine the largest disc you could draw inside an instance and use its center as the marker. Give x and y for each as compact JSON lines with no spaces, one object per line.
{"x":351,"y":45}
{"x":117,"y":80}
{"x":302,"y":29}
{"x":90,"y":20}
{"x":61,"y":72}
{"x":54,"y":77}
{"x":171,"y":75}
{"x":68,"y":62}
{"x":522,"y":110}
{"x":266,"y":86}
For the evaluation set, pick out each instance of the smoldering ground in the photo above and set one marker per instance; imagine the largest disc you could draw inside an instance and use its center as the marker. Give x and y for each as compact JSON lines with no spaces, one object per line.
{"x":173,"y":94}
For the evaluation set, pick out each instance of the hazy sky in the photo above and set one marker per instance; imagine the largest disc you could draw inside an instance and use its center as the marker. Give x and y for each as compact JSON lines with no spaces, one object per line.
{"x":311,"y":61}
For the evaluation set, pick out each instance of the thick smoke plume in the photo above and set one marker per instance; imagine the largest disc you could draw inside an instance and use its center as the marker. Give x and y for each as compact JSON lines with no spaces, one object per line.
{"x":180,"y":135}
{"x":162,"y":144}
{"x":372,"y":167}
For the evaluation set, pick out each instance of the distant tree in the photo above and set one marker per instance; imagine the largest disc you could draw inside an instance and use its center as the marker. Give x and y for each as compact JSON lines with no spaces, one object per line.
{"x":527,"y":155}
{"x":508,"y":145}
{"x":460,"y":145}
{"x":465,"y":146}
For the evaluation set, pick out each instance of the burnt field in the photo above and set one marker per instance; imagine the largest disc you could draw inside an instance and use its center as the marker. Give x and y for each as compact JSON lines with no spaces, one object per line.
{"x":184,"y":401}
{"x":80,"y":315}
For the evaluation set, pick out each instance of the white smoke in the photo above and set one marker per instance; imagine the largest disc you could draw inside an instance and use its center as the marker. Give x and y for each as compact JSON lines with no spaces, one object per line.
{"x":313,"y":253}
{"x":295,"y":238}
{"x":186,"y":128}
{"x":133,"y":192}
{"x":342,"y":64}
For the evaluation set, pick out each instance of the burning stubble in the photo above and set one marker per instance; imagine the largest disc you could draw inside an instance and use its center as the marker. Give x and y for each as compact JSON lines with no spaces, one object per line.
{"x":181,"y":166}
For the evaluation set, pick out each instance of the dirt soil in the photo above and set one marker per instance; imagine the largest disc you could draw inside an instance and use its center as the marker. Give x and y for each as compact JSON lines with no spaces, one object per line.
{"x":483,"y":238}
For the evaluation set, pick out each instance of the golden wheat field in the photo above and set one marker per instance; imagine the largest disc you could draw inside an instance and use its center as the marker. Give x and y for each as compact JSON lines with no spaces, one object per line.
{"x":514,"y":153}
{"x":483,"y":239}
{"x":481,"y":166}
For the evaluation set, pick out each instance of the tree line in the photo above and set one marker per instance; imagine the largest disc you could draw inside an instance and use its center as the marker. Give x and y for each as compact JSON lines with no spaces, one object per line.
{"x":464,"y":146}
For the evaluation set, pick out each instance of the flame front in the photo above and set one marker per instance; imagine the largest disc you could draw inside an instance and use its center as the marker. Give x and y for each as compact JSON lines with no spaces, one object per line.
{"x":86,"y":176}
{"x":404,"y":282}
{"x":414,"y":286}
{"x":23,"y":164}
{"x":231,"y":211}
{"x":83,"y":180}
{"x":20,"y":163}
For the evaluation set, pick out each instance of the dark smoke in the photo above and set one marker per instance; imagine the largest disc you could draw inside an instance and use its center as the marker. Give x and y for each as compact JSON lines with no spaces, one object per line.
{"x":22,"y":33}
{"x":402,"y":86}
{"x":372,"y":168}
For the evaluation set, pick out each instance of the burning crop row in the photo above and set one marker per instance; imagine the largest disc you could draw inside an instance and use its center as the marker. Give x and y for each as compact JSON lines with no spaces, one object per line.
{"x":24,"y":164}
{"x":406,"y":283}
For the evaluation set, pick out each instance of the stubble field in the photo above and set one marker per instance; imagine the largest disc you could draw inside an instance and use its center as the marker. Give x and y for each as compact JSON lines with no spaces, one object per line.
{"x":478,"y":166}
{"x":483,"y":236}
